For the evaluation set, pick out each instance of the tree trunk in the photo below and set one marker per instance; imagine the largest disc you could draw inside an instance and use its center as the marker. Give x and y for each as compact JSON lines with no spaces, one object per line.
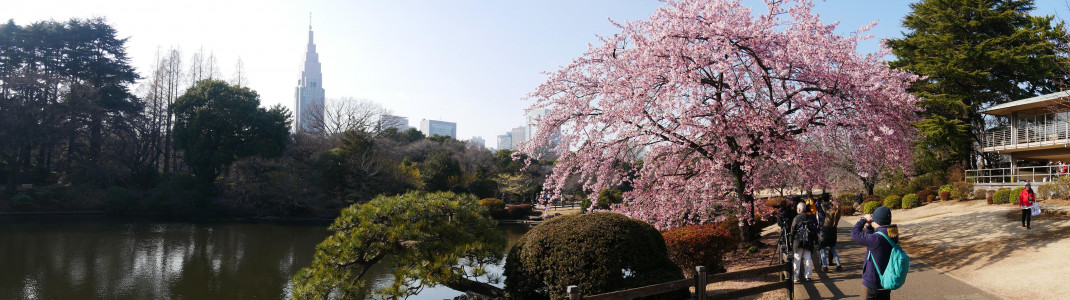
{"x":747,"y":231}
{"x":467,"y":285}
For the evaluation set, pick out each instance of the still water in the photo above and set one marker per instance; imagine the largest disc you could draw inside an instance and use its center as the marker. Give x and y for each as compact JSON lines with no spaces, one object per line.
{"x":122,"y":257}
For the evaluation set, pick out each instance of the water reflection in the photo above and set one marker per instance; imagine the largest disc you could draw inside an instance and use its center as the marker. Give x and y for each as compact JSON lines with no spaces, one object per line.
{"x":111,"y":257}
{"x":76,"y":257}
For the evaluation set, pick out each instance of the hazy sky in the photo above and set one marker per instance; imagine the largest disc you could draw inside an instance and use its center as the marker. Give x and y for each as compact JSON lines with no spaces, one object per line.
{"x":469,"y":62}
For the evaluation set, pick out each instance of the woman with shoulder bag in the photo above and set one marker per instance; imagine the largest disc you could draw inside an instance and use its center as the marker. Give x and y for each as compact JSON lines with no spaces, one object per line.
{"x":1026,"y":199}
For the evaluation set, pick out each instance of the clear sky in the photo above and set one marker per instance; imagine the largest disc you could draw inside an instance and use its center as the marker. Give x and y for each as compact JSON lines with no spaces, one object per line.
{"x":463,"y":61}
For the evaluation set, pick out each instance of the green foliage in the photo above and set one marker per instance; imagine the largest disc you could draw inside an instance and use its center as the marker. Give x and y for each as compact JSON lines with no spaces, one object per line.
{"x":22,"y":201}
{"x":699,"y":245}
{"x":973,"y":54}
{"x":1002,"y":196}
{"x":882,"y":193}
{"x":599,"y":252}
{"x":911,"y":201}
{"x":869,"y":207}
{"x":119,"y":199}
{"x":893,"y":201}
{"x":609,"y":197}
{"x":946,"y":188}
{"x":440,"y":172}
{"x":1012,"y":196}
{"x":846,"y":197}
{"x":752,"y":250}
{"x":585,"y":203}
{"x":433,"y":238}
{"x":492,"y":204}
{"x":217,"y":123}
{"x":357,"y":171}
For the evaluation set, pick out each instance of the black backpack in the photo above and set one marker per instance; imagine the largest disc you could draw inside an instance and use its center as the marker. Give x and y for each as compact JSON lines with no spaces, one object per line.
{"x":805,"y":236}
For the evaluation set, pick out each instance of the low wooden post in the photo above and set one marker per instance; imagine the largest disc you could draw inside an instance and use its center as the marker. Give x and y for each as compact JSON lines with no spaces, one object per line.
{"x":574,"y":293}
{"x":700,"y":282}
{"x":788,"y":281}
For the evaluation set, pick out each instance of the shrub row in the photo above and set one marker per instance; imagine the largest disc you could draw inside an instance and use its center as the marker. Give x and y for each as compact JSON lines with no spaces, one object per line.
{"x":911,"y":201}
{"x":700,"y":245}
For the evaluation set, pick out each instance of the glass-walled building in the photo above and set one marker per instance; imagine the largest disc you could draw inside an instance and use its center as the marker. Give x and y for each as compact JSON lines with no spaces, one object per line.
{"x":1035,"y":140}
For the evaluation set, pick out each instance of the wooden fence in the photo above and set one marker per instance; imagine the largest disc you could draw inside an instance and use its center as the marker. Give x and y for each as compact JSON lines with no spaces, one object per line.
{"x":699,"y":282}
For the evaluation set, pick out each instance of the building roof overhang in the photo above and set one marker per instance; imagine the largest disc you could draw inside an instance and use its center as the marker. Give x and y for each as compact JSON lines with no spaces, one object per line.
{"x":1006,"y":109}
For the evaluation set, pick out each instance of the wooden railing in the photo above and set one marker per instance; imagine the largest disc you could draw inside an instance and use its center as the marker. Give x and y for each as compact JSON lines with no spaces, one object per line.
{"x":699,"y":282}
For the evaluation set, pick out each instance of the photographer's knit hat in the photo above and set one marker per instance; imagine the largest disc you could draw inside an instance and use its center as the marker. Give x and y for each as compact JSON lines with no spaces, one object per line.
{"x":882,"y":216}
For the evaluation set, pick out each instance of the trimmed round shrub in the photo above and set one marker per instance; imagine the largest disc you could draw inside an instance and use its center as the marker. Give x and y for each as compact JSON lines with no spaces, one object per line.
{"x":924,"y":194}
{"x":911,"y":201}
{"x":492,"y":204}
{"x":945,"y":195}
{"x":495,"y":206}
{"x":962,"y":189}
{"x":598,"y":252}
{"x":519,"y":211}
{"x":1013,"y":198}
{"x":699,"y":245}
{"x":22,"y":201}
{"x":946,"y":188}
{"x":847,"y":210}
{"x":892,"y":201}
{"x":1001,"y":196}
{"x":869,"y":207}
{"x":731,"y":225}
{"x":979,"y":194}
{"x":846,"y":197}
{"x":930,"y":199}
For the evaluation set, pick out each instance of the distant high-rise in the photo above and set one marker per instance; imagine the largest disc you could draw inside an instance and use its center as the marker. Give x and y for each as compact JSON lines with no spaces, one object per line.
{"x":519,"y":135}
{"x":309,"y":92}
{"x":433,"y":127}
{"x":391,"y":121}
{"x":478,"y":141}
{"x":505,"y":141}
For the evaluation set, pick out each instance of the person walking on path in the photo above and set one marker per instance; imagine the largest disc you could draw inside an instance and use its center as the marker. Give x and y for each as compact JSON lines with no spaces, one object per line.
{"x":827,"y":237}
{"x":865,"y":233}
{"x":1026,"y":199}
{"x":803,"y":233}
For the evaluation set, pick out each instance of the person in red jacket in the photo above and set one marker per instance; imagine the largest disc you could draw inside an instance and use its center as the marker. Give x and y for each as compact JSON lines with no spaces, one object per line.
{"x":1026,"y":199}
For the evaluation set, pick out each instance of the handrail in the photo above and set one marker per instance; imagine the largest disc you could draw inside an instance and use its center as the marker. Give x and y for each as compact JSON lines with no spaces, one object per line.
{"x":1039,"y":174}
{"x":1027,"y":134}
{"x":699,"y":283}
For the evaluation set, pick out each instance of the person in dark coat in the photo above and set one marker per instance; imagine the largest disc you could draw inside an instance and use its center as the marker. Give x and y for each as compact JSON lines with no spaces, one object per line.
{"x":803,"y":253}
{"x":864,"y":232}
{"x":827,"y":238}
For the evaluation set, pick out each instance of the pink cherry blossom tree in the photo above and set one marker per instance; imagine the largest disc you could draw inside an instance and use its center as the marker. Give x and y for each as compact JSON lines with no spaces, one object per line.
{"x":711,"y":96}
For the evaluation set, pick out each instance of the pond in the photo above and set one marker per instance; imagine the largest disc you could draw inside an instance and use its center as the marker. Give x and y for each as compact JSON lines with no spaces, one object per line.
{"x":142,"y":257}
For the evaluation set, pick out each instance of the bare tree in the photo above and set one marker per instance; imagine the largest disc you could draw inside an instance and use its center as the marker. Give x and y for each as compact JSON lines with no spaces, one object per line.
{"x":346,"y":114}
{"x":172,"y":81}
{"x":239,"y":79}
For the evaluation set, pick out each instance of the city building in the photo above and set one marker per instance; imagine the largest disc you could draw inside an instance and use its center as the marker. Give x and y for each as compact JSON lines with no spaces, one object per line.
{"x":435,"y":127}
{"x":478,"y":141}
{"x":309,"y":93}
{"x":531,"y":120}
{"x":519,"y":135}
{"x":1034,"y":145}
{"x":389,"y":121}
{"x":505,"y":142}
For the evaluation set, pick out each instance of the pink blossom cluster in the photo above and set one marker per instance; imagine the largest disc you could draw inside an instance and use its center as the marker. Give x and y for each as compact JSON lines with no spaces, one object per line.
{"x":717,"y":103}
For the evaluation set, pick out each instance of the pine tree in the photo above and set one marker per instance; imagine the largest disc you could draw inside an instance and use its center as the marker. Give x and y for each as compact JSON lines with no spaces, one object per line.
{"x":974,"y":54}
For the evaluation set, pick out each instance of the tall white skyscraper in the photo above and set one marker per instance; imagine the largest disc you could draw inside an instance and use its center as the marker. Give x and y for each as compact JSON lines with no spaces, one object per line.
{"x":309,"y":93}
{"x":505,"y":141}
{"x":434,"y":127}
{"x":531,"y":120}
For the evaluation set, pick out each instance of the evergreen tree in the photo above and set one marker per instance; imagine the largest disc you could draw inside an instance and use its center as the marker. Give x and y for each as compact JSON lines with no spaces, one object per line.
{"x":974,"y":54}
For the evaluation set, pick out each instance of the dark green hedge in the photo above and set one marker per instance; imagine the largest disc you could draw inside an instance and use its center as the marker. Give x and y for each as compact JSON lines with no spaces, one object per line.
{"x":598,"y":252}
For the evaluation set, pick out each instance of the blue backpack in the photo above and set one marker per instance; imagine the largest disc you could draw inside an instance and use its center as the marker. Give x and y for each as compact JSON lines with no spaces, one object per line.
{"x":895,"y":274}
